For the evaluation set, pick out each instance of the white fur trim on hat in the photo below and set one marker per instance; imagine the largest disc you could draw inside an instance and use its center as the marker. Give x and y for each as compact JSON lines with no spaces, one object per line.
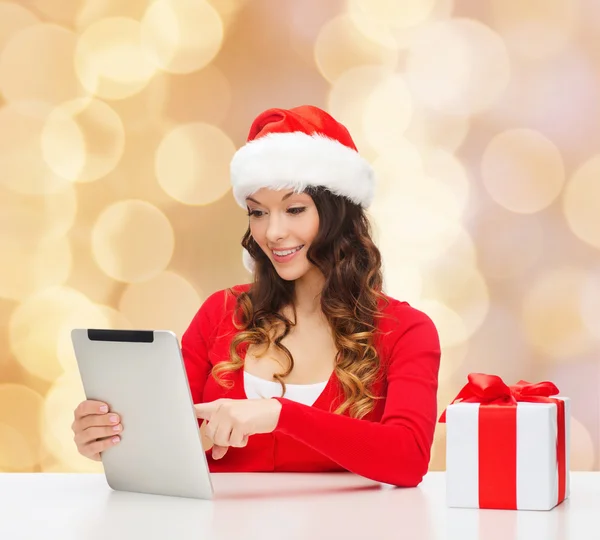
{"x":248,"y":261}
{"x":298,"y":160}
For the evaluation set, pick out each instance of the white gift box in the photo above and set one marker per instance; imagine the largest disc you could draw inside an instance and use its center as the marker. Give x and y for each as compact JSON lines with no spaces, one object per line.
{"x":537,"y":474}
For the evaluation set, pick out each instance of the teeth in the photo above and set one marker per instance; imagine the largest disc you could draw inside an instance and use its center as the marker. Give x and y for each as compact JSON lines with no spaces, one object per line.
{"x":288,"y":252}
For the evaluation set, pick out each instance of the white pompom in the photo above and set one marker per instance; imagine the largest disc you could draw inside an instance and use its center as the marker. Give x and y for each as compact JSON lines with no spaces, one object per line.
{"x":248,"y":261}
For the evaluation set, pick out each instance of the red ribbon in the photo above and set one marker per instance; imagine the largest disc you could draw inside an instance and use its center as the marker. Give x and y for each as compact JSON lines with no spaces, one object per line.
{"x":498,"y":434}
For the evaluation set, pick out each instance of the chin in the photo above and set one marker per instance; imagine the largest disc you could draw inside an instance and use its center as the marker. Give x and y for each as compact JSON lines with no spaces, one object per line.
{"x":291,"y":273}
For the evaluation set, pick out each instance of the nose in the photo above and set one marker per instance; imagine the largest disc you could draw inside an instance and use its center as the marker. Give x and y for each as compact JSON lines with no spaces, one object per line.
{"x":276,"y":228}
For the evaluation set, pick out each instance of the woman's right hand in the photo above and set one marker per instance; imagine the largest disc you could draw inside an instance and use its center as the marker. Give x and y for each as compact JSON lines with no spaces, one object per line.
{"x":95,"y":428}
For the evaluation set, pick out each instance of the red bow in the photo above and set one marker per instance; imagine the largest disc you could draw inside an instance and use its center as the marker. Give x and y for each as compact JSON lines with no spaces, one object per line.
{"x":491,"y":390}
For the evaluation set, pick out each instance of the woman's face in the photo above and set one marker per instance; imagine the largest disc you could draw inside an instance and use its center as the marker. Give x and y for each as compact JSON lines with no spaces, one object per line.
{"x":284,"y":224}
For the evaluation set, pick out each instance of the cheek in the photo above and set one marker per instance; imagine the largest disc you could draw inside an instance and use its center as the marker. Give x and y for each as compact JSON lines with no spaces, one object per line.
{"x":312,"y":228}
{"x":258,"y":233}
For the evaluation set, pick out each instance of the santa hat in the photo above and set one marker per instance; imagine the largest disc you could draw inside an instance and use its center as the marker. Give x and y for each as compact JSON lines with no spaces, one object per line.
{"x":297,"y":148}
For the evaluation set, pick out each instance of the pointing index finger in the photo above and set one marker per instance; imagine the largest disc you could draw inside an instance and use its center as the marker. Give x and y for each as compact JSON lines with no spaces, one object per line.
{"x":205,"y":410}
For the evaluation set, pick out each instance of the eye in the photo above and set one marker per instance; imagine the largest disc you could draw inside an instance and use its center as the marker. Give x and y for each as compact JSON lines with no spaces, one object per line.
{"x":296,"y":210}
{"x":254,"y":213}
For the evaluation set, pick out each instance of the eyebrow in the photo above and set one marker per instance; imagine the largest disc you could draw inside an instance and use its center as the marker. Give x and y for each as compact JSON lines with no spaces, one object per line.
{"x":287,"y":196}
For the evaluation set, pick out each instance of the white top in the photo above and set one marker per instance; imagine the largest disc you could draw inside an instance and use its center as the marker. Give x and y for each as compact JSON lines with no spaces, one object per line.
{"x":257,"y":388}
{"x":273,"y":506}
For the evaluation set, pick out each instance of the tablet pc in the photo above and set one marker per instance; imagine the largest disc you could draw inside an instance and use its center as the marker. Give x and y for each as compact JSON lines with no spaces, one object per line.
{"x":140,"y":374}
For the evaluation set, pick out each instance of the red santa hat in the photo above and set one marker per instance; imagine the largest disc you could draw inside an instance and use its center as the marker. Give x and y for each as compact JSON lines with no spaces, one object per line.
{"x":297,"y":148}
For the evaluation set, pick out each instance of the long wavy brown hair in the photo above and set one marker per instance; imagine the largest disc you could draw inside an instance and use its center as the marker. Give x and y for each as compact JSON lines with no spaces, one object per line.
{"x":351,"y":263}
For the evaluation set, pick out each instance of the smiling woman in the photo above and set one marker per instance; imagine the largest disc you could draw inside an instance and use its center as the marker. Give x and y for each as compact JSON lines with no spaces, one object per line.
{"x":311,"y":367}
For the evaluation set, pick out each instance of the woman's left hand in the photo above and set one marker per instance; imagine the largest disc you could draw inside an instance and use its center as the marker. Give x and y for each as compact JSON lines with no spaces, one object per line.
{"x":232,"y":421}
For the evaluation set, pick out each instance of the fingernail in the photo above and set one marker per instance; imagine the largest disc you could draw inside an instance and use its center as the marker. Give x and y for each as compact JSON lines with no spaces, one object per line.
{"x":114,"y":418}
{"x":115,"y":440}
{"x":116,"y":428}
{"x":104,"y":408}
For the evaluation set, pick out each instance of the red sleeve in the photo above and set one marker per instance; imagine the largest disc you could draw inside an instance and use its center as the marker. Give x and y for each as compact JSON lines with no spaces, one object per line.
{"x":397,"y":449}
{"x":195,"y":344}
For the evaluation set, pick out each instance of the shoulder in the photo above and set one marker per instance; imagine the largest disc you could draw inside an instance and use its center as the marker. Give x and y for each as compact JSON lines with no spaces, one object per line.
{"x":396,"y":313}
{"x":223,"y":301}
{"x":400,"y":321}
{"x":218,"y":308}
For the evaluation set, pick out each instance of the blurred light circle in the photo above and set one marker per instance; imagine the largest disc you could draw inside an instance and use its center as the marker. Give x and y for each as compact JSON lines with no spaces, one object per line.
{"x":429,"y":128}
{"x":394,"y":172}
{"x":37,"y":64}
{"x":522,"y":170}
{"x":450,"y":326}
{"x":83,"y":140}
{"x":192,"y":163}
{"x":590,"y":303}
{"x":132,"y":240}
{"x":508,"y":245}
{"x":397,"y":14}
{"x":552,"y":315}
{"x":63,"y":144}
{"x":416,"y":214}
{"x":340,"y":47}
{"x":98,"y":316}
{"x":86,"y":276}
{"x":228,"y":9}
{"x":402,"y":279}
{"x":34,"y":264}
{"x":182,"y":36}
{"x":201,"y":96}
{"x":144,"y":111}
{"x":535,"y":29}
{"x":16,"y":453}
{"x":387,"y":114}
{"x":393,"y":24}
{"x":62,"y":12}
{"x":94,"y":316}
{"x":433,"y":232}
{"x":348,"y":99}
{"x":447,"y":169}
{"x":92,"y":11}
{"x":532,"y":100}
{"x":110,"y":61}
{"x":20,"y":415}
{"x":136,"y":168}
{"x":374,"y":30}
{"x":581,"y":202}
{"x":58,"y":413}
{"x":461,"y":250}
{"x":460,"y":286}
{"x":167,"y":301}
{"x":38,"y":217}
{"x":582,"y":455}
{"x":13,"y":19}
{"x":499,"y":346}
{"x":454,"y":359}
{"x":116,"y":319}
{"x":21,"y":162}
{"x":457,"y":66}
{"x":36,"y":325}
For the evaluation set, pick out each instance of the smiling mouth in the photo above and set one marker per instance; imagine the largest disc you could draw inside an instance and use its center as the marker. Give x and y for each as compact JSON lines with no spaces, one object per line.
{"x":287,"y":251}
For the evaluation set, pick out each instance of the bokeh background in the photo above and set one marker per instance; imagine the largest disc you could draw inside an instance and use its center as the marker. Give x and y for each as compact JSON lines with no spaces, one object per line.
{"x":118,"y":120}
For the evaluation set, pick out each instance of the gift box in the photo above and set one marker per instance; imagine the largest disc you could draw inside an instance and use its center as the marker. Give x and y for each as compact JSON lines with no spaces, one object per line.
{"x":507,"y":447}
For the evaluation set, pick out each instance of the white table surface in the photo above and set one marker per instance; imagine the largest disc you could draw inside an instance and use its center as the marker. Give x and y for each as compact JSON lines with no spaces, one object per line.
{"x":282,"y":506}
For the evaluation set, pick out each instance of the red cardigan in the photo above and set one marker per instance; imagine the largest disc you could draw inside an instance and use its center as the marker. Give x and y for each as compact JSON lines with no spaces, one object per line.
{"x":391,"y":445}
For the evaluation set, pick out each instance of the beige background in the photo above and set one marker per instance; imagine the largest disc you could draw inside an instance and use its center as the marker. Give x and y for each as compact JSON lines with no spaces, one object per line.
{"x":118,"y":120}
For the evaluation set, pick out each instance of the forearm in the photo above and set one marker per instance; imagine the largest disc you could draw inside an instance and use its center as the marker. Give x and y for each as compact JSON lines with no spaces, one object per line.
{"x":388,"y":453}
